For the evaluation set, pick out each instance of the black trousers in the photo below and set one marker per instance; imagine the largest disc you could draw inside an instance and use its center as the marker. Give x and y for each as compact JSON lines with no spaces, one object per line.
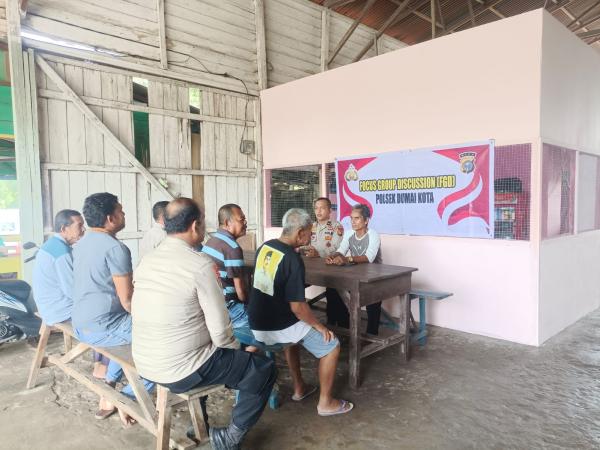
{"x":253,"y":375}
{"x":337,"y":313}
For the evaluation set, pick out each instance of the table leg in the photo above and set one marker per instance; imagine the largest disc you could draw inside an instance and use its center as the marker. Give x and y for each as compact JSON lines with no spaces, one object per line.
{"x":354,"y":310}
{"x":422,"y":322}
{"x":405,"y":324}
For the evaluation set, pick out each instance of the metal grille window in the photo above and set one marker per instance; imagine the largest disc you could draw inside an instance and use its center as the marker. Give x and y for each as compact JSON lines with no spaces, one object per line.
{"x":558,"y":191}
{"x":588,"y":193}
{"x":294,"y":187}
{"x":512,"y":191}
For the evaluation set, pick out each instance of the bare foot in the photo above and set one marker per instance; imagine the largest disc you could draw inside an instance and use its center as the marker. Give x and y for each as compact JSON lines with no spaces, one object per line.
{"x":99,"y":370}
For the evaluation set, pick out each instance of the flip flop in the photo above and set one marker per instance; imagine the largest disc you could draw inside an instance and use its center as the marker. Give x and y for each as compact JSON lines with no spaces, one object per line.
{"x":310,"y":390}
{"x":345,"y":407}
{"x":102,"y":414}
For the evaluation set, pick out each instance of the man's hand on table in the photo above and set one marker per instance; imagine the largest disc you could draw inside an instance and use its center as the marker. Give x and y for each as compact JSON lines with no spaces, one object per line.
{"x":311,"y":252}
{"x":325,"y":332}
{"x":336,"y":259}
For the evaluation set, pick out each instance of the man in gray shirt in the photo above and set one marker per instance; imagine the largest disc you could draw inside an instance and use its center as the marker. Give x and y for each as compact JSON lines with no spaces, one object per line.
{"x":103,"y":287}
{"x":363,"y":244}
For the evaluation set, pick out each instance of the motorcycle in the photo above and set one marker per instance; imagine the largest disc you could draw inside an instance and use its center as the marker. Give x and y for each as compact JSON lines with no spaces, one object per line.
{"x":17,"y":308}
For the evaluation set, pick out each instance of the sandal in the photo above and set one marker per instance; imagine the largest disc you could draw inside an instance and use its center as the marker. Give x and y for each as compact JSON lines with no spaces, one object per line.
{"x":102,"y":414}
{"x":345,"y":407}
{"x":310,"y":390}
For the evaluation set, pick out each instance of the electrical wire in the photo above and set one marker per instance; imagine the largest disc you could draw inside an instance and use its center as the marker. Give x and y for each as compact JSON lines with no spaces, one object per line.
{"x":226,"y":75}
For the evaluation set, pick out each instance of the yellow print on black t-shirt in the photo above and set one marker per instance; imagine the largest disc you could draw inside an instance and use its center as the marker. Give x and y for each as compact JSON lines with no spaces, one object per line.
{"x":267,"y":263}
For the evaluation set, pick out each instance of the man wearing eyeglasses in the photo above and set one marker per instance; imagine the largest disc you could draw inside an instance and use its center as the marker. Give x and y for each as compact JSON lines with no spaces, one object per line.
{"x":229,"y":258}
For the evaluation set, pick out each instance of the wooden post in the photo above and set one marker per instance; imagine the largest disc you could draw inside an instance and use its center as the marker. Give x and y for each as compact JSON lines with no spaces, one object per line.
{"x":39,"y":356}
{"x":405,"y":324}
{"x":260,"y":185}
{"x":164,"y":419}
{"x":261,"y":47}
{"x":432,"y":19}
{"x":162,"y":34}
{"x":26,"y":150}
{"x":324,"y":39}
{"x":354,"y":310}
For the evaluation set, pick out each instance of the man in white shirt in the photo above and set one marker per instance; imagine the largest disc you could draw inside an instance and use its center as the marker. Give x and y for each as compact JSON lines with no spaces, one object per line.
{"x":363,"y":244}
{"x":182,"y":334}
{"x":155,"y":235}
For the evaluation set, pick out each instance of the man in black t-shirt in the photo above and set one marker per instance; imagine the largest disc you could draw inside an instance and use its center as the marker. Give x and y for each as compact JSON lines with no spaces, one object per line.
{"x":279,"y":314}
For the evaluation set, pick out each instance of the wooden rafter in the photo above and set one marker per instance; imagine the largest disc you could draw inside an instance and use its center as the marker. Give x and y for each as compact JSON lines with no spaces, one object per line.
{"x":458,"y":23}
{"x":336,"y":3}
{"x":162,"y":34}
{"x":97,"y":123}
{"x":583,"y":14}
{"x":395,"y":17}
{"x":353,"y":27}
{"x":325,"y":21}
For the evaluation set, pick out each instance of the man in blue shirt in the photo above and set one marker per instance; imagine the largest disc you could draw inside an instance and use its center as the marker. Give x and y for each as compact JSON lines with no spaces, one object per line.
{"x":53,"y":271}
{"x":103,"y":286}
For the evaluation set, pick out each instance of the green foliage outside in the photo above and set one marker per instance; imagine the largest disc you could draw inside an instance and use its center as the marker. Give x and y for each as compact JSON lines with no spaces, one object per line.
{"x":9,"y":194}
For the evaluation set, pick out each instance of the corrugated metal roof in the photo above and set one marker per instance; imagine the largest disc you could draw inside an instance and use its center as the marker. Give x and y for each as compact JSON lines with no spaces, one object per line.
{"x":414,"y":23}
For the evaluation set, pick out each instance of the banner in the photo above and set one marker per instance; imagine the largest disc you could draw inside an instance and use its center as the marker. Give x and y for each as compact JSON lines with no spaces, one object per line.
{"x":444,"y":191}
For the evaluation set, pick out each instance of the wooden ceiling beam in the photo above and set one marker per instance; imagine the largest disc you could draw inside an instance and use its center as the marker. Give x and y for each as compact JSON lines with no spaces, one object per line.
{"x":395,"y":17}
{"x":353,"y":27}
{"x":336,"y":3}
{"x":577,"y":19}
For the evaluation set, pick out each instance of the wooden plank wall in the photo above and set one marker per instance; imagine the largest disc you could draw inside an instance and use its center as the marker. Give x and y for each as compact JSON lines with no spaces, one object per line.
{"x":203,"y":36}
{"x":3,"y":19}
{"x":293,"y":30}
{"x":77,"y":161}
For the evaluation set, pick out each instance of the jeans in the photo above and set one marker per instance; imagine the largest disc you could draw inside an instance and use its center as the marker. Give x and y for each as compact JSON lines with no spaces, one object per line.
{"x":118,"y":334}
{"x":251,"y":374}
{"x":337,"y":313}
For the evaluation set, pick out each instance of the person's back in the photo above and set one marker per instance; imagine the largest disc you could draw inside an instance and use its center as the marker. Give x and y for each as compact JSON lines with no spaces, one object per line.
{"x":182,"y":335}
{"x":98,"y":257}
{"x":53,"y":279}
{"x":175,"y":291}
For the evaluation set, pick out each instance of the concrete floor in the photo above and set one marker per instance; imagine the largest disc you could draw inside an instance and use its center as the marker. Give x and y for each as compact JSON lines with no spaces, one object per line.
{"x":459,"y":392}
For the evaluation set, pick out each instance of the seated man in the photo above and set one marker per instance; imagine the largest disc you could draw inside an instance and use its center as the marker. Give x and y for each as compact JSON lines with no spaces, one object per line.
{"x":279,"y":314}
{"x":53,"y":270}
{"x":53,"y":275}
{"x":363,"y":244}
{"x":103,"y":287}
{"x":229,"y":258}
{"x":156,"y":234}
{"x":325,"y":239}
{"x":182,"y":334}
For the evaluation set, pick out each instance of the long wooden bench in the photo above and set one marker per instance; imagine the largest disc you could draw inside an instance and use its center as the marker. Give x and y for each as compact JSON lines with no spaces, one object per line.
{"x":155,"y":419}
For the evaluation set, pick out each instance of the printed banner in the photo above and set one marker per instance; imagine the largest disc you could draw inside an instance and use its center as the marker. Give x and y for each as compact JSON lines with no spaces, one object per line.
{"x":443,"y":191}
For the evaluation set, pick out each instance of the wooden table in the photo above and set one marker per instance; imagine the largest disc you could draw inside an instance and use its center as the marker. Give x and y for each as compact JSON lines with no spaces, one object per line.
{"x":367,"y":284}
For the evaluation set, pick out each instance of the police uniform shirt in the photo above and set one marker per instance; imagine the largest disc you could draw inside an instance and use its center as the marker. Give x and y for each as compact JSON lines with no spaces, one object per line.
{"x":326,"y":238}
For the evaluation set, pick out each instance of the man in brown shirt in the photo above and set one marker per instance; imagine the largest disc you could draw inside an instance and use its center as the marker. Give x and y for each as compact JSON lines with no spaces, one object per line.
{"x":182,"y":335}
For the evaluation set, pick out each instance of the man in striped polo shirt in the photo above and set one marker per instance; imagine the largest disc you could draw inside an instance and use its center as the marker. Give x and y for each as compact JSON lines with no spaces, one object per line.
{"x":229,"y":257}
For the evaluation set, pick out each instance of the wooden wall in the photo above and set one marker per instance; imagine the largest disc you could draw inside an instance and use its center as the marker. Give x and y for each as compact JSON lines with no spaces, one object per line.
{"x":211,"y":45}
{"x":78,"y":161}
{"x":205,"y":37}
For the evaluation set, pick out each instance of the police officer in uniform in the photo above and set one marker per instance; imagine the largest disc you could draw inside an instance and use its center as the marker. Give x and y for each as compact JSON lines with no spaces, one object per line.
{"x":326,"y":234}
{"x":325,"y":239}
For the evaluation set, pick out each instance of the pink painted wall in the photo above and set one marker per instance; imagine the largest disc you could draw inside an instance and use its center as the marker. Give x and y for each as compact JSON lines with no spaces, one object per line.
{"x":570,"y":118}
{"x":478,"y":84}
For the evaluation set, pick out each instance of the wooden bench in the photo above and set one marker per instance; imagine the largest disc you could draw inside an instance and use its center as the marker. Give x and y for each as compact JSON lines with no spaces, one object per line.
{"x":155,"y":419}
{"x":420,"y":334}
